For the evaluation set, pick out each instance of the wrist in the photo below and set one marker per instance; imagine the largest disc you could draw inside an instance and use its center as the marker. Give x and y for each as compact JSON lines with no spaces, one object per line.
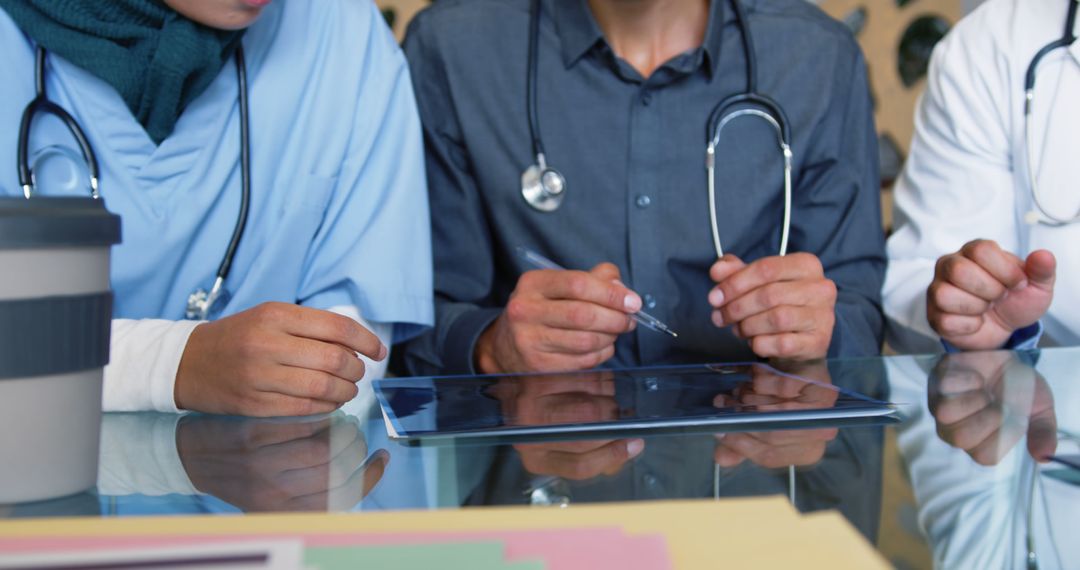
{"x":484,"y":357}
{"x":187,"y":368}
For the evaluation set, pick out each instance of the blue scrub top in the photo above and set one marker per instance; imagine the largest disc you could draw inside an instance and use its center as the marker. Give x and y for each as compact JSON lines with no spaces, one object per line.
{"x":339,"y":212}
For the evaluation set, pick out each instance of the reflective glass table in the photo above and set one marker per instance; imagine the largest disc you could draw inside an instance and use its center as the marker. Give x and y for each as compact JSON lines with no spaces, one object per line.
{"x":961,"y":478}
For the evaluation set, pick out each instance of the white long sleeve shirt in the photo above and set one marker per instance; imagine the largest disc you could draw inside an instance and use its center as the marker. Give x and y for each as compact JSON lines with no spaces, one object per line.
{"x":145,"y":355}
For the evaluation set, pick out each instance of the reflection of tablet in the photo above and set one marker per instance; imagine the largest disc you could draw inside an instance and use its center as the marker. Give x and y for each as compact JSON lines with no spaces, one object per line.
{"x":613,"y":400}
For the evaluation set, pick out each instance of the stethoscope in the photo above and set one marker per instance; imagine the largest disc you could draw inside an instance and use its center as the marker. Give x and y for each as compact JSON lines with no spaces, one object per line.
{"x":200,"y":303}
{"x":544,"y":188}
{"x":1033,"y":217}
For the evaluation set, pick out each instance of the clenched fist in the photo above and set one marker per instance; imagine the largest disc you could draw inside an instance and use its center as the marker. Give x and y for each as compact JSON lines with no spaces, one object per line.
{"x":785,"y":306}
{"x":982,"y":294}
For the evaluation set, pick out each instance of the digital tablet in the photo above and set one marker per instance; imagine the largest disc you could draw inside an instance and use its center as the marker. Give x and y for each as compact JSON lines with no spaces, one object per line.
{"x":615,"y":400}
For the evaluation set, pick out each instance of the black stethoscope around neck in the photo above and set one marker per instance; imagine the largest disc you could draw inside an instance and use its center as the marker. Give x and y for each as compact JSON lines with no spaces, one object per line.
{"x":544,"y":187}
{"x":1041,"y":214}
{"x":201,"y":303}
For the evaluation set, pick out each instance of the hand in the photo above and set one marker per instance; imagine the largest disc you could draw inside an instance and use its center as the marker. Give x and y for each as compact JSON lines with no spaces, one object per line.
{"x":982,"y":294}
{"x":559,"y":320}
{"x":274,"y":465}
{"x":773,"y":449}
{"x":579,"y":460}
{"x":566,"y":399}
{"x":784,"y":306}
{"x":274,"y":360}
{"x":769,"y":390}
{"x":984,"y":403}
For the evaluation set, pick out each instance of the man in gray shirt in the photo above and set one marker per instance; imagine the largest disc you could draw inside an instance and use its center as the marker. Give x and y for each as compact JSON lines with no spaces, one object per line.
{"x":623,"y":94}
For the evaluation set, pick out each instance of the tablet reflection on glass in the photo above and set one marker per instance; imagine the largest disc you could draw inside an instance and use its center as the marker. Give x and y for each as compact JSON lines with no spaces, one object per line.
{"x":614,"y":400}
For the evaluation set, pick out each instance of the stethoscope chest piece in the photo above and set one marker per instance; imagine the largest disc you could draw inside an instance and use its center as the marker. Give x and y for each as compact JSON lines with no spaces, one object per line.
{"x":544,"y":188}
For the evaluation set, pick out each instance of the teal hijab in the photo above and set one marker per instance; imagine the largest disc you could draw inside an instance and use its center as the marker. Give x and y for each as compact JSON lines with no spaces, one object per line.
{"x":156,"y":59}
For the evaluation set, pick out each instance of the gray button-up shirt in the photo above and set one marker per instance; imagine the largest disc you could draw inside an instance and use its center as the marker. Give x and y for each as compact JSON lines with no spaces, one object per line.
{"x":632,"y":150}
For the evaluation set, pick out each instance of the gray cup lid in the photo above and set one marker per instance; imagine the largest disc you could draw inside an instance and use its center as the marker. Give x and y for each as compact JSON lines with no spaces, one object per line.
{"x":56,"y":222}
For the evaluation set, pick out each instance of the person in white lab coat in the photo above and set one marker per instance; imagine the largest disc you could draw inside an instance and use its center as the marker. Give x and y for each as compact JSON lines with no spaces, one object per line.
{"x":967,"y":222}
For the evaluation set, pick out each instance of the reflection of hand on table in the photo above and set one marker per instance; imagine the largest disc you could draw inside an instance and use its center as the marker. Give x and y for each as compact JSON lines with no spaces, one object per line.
{"x":566,"y":399}
{"x":983,"y":403}
{"x":769,"y":391}
{"x":275,"y":465}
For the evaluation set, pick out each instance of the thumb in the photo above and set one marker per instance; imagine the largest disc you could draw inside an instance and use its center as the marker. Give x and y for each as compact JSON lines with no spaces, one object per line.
{"x":725,"y":267}
{"x":606,"y":272}
{"x":1041,"y":269}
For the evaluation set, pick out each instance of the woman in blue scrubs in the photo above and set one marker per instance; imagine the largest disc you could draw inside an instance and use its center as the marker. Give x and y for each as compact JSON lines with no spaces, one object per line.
{"x":334,"y":262}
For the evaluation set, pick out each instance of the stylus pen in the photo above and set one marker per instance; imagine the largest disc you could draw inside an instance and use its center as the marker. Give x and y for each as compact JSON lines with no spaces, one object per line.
{"x":540,"y":262}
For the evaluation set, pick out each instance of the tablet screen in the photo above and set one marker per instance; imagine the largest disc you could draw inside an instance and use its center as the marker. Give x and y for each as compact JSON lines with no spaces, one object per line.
{"x":606,"y":400}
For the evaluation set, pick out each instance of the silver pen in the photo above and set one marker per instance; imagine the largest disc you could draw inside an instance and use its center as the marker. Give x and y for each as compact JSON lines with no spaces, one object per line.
{"x":540,"y":262}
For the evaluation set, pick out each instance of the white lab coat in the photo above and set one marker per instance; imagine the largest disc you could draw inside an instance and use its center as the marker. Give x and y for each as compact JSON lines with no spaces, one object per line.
{"x":967,"y":176}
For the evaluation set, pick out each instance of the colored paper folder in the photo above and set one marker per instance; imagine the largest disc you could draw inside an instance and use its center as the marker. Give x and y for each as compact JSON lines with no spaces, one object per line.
{"x":753,"y":532}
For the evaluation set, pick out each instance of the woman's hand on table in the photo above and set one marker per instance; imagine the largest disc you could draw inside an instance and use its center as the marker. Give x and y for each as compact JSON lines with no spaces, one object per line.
{"x":276,"y":359}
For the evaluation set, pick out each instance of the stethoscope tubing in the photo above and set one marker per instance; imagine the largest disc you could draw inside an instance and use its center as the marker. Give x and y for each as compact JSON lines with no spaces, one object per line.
{"x":749,"y":103}
{"x":1067,"y":40}
{"x":42,"y":104}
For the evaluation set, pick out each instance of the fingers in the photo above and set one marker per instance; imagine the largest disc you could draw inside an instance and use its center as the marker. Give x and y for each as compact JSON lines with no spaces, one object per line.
{"x":325,"y":326}
{"x":607,"y":459}
{"x":803,"y":346}
{"x":606,"y":272}
{"x":310,"y":385}
{"x":774,"y":295}
{"x":952,"y":326}
{"x":574,"y":316}
{"x":271,"y":404}
{"x":781,"y":319}
{"x":1042,"y":436}
{"x":972,"y":430}
{"x":593,"y":383}
{"x":559,"y":341}
{"x":1004,"y":267}
{"x":956,"y":408}
{"x":951,"y":299}
{"x":773,"y":456}
{"x":332,"y":359}
{"x":581,"y":286}
{"x":969,"y":276}
{"x":724,"y":457}
{"x":784,"y":305}
{"x":567,"y":409}
{"x":794,"y":267}
{"x":725,"y":267}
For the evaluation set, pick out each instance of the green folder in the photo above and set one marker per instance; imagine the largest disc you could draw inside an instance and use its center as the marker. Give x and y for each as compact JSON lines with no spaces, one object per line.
{"x":450,"y":556}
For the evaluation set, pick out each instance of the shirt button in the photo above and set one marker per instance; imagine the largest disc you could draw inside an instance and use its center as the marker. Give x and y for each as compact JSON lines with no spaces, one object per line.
{"x":650,"y":301}
{"x":646,"y":98}
{"x":643,"y":201}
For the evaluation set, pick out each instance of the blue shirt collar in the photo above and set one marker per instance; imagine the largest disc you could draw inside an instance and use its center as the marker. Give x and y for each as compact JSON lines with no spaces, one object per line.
{"x":579,"y":33}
